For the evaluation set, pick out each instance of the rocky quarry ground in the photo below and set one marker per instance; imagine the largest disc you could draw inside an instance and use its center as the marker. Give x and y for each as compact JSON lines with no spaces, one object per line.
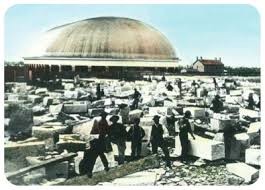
{"x":47,"y":131}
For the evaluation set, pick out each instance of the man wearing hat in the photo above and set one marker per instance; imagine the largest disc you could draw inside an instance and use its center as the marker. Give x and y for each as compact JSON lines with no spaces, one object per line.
{"x":136,"y":134}
{"x":118,"y":136}
{"x":102,"y":129}
{"x":184,"y":129}
{"x":217,"y":104}
{"x":157,"y":139}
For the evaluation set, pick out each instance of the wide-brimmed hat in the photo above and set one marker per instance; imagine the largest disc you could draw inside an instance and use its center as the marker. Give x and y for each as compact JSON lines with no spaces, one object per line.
{"x":156,"y":117}
{"x":114,"y":118}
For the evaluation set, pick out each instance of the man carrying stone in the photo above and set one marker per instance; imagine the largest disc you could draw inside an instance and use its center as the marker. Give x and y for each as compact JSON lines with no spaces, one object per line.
{"x":136,"y":135}
{"x":184,"y":129}
{"x":157,"y":140}
{"x":118,"y":136}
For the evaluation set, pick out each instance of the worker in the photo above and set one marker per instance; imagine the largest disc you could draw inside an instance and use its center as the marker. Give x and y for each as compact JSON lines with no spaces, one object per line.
{"x":157,"y":140}
{"x":251,"y":103}
{"x":217,"y":104}
{"x":215,"y":83}
{"x":169,"y":87}
{"x":184,"y":129}
{"x":98,"y":92}
{"x":136,"y":98}
{"x":163,"y":78}
{"x":180,"y":87}
{"x":118,"y":136}
{"x":124,"y":111}
{"x":136,"y":134}
{"x":103,"y":144}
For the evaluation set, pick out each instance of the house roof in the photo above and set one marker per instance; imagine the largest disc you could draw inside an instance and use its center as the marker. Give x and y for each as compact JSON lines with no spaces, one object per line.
{"x":210,"y":61}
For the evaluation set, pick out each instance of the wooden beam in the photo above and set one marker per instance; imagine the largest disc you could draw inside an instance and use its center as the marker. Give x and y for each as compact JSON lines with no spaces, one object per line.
{"x":148,"y":162}
{"x":22,"y":171}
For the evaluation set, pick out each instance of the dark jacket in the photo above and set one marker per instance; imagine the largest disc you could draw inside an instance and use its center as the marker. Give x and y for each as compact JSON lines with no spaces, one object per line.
{"x":184,"y":128}
{"x":136,"y":134}
{"x":102,"y":128}
{"x":118,"y":133}
{"x":157,"y":133}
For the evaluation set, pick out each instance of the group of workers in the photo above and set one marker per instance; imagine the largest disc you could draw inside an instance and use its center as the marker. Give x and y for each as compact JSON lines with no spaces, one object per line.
{"x":117,"y":134}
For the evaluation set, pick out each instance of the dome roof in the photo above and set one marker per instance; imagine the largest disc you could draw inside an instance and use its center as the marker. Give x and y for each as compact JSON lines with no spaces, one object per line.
{"x":107,"y":38}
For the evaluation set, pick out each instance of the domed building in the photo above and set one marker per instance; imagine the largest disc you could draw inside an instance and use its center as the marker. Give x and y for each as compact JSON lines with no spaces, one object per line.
{"x":101,"y":47}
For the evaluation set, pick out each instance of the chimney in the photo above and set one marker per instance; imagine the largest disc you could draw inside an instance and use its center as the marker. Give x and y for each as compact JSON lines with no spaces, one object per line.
{"x":220,"y":59}
{"x":201,"y":57}
{"x":215,"y":58}
{"x":197,"y":58}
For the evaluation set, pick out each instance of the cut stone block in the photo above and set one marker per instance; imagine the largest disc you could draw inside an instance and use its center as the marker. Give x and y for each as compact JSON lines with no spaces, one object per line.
{"x":55,"y":109}
{"x":233,"y":99}
{"x":243,"y":138}
{"x":98,"y":103}
{"x":159,"y":111}
{"x":235,"y":92}
{"x":34,"y":99}
{"x":71,"y":94}
{"x":76,"y":107}
{"x":41,"y":91}
{"x":148,"y":100}
{"x":243,"y":170}
{"x":135,"y":114}
{"x":95,"y":112}
{"x":254,"y":130}
{"x":16,"y":97}
{"x":196,"y":112}
{"x":247,"y":112}
{"x":220,"y":124}
{"x":68,"y":86}
{"x":38,"y":120}
{"x":45,"y":132}
{"x":47,"y":101}
{"x":203,"y":148}
{"x":253,"y":156}
{"x":71,"y":145}
{"x":15,"y":154}
{"x":146,"y":121}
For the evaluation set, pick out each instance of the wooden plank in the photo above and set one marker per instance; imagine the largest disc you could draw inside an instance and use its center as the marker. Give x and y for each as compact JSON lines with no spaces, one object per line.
{"x":148,"y":162}
{"x":22,"y":171}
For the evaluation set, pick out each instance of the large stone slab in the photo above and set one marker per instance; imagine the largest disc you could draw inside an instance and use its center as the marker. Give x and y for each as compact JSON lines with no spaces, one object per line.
{"x":76,"y":107}
{"x":41,"y":91}
{"x":196,"y":112}
{"x":253,"y":156}
{"x":247,"y":112}
{"x":135,"y":114}
{"x":254,"y":130}
{"x":220,"y":124}
{"x":46,"y":131}
{"x":55,"y":109}
{"x":34,"y":98}
{"x":203,"y":148}
{"x":243,"y":170}
{"x":71,"y":94}
{"x":16,"y":153}
{"x":47,"y":101}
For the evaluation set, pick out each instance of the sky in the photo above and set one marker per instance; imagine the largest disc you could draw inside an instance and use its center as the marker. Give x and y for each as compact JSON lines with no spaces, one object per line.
{"x":231,"y":32}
